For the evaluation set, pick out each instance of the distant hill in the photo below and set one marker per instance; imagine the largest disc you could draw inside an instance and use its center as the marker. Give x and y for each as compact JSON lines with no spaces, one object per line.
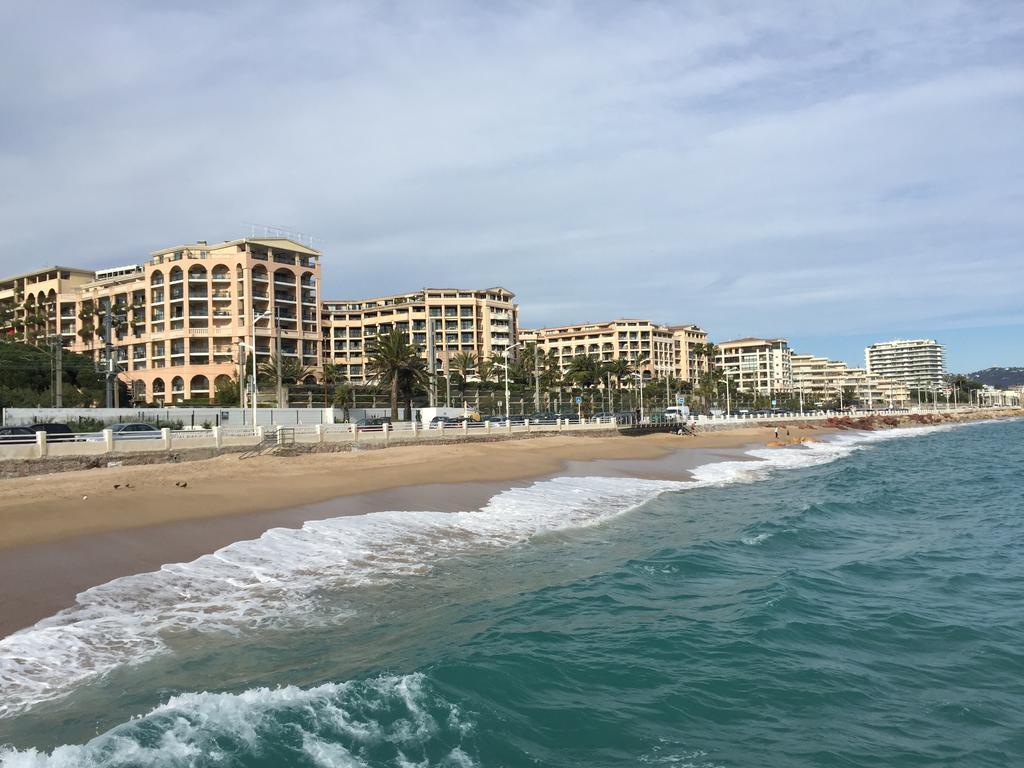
{"x":1001,"y":378}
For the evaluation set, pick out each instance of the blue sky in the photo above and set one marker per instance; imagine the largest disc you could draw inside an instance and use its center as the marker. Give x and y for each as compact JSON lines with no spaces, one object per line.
{"x":832,"y":172}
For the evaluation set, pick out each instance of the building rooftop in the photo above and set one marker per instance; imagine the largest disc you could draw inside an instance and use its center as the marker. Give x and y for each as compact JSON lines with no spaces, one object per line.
{"x":269,"y":242}
{"x":411,"y":295}
{"x":750,"y":340}
{"x":44,"y":270}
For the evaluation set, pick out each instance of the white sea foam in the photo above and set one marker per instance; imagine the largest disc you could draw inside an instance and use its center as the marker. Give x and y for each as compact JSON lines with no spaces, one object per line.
{"x":331,"y":723}
{"x":277,"y":580}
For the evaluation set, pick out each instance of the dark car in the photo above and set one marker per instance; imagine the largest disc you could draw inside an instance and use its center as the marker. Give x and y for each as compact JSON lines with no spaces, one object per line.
{"x":374,"y":424}
{"x":55,"y":433}
{"x":10,"y":435}
{"x":447,"y":421}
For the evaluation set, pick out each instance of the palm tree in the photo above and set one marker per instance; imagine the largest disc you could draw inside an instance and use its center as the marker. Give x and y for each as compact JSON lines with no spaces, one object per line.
{"x":584,"y":371}
{"x":291,"y":372}
{"x":463,"y":363}
{"x":396,"y":363}
{"x":485,"y":371}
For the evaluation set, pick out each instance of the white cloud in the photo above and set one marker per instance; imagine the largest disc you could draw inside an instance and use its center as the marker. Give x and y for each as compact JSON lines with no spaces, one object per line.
{"x":738,"y":167}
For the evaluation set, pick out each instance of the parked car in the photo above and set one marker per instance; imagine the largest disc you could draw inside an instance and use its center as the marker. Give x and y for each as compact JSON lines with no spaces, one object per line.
{"x":137,"y":430}
{"x":9,"y":435}
{"x":132,"y":431}
{"x":56,"y":433}
{"x":374,"y":424}
{"x":447,"y":421}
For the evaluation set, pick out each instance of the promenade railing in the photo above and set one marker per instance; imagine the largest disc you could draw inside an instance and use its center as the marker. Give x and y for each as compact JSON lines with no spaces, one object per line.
{"x":108,"y":442}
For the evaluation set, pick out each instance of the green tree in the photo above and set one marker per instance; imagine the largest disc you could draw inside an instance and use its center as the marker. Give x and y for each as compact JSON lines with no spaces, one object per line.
{"x":396,"y":364}
{"x":463,"y":364}
{"x":583,"y":371}
{"x":226,"y":393}
{"x":485,"y":370}
{"x":292,"y":372}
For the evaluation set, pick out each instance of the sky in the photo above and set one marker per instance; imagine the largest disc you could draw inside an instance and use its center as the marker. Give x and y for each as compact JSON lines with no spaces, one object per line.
{"x":835,"y":173}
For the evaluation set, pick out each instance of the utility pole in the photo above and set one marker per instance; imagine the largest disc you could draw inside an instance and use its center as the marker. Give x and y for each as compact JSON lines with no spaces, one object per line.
{"x":536,"y":378}
{"x":432,"y":362}
{"x":241,"y":374}
{"x":58,"y":373}
{"x":108,"y":350}
{"x":280,"y":383}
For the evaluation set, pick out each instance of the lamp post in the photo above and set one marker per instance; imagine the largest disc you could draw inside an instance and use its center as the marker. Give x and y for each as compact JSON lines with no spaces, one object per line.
{"x":640,"y":386}
{"x":505,"y":354}
{"x":255,"y":319}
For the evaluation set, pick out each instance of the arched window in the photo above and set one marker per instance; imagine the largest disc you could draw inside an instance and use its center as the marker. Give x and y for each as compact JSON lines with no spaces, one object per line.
{"x":176,"y":274}
{"x":157,"y":278}
{"x":200,"y":385}
{"x":197,"y":272}
{"x":221,"y":272}
{"x":177,"y":385}
{"x":158,"y":388}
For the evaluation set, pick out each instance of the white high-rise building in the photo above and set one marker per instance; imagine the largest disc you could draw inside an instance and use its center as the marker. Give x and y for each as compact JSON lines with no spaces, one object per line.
{"x":918,"y":363}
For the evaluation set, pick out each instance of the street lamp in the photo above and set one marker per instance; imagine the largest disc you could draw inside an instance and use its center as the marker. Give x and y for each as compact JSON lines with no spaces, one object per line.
{"x":255,"y":319}
{"x":508,"y":411}
{"x":640,"y":385}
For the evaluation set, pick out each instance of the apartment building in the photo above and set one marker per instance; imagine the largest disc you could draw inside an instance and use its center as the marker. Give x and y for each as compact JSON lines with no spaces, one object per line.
{"x":757,"y":365}
{"x":482,"y":321}
{"x":648,"y":347}
{"x":179,"y":319}
{"x":689,"y":343}
{"x":918,"y":363}
{"x":30,"y":303}
{"x":823,"y":378}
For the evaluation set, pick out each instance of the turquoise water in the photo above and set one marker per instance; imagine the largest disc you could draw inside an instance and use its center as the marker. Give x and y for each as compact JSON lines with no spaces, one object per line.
{"x":857,"y":604}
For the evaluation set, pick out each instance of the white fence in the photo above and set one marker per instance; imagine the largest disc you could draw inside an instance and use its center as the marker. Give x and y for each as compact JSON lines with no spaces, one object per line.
{"x":187,"y":416}
{"x":109,"y":442}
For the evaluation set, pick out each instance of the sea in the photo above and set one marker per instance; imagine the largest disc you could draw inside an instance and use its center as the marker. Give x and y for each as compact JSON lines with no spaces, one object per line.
{"x":853,"y":602}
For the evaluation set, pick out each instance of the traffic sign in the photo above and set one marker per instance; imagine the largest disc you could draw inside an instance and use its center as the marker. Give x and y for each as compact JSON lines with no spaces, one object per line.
{"x":680,"y":399}
{"x":579,"y":400}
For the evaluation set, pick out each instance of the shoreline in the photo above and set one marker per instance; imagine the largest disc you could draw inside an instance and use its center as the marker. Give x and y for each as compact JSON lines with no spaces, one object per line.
{"x":56,"y":544}
{"x":39,"y":578}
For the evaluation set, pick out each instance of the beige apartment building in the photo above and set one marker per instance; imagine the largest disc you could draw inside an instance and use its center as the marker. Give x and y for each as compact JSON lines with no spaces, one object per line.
{"x":482,"y":321}
{"x":690,"y":342}
{"x":757,"y":365}
{"x":816,"y":376}
{"x":179,"y":320}
{"x":648,"y":347}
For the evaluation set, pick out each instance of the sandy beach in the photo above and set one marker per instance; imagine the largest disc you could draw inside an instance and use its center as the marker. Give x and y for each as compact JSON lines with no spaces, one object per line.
{"x":51,"y":508}
{"x":54,"y":543}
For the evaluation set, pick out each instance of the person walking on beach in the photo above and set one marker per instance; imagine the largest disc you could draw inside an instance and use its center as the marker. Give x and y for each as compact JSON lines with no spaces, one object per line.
{"x":776,"y":433}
